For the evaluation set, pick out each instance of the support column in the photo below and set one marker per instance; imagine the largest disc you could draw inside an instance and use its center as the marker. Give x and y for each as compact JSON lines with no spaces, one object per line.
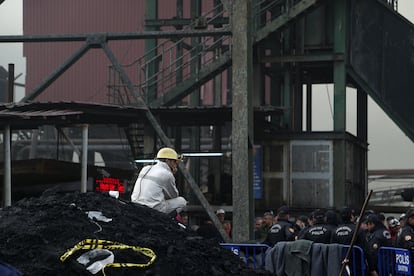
{"x":195,"y":11}
{"x":242,"y":122}
{"x":339,"y":154}
{"x":149,"y":142}
{"x":287,"y":86}
{"x":84,"y":165}
{"x":362,"y":115}
{"x":217,"y":79}
{"x":216,"y":163}
{"x":195,"y":138}
{"x":151,"y":12}
{"x":7,"y":167}
{"x":362,"y":131}
{"x":297,"y":102}
{"x":10,"y":86}
{"x":287,"y":104}
{"x":179,"y":46}
{"x":309,"y":106}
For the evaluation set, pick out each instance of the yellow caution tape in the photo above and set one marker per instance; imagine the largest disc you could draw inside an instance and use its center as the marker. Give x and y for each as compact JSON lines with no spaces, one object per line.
{"x":89,"y":244}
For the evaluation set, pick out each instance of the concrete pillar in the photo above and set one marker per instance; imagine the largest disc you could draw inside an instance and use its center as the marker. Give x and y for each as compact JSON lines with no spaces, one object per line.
{"x":242,"y":122}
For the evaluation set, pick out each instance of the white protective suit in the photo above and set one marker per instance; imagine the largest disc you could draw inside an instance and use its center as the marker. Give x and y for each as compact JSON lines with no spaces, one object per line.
{"x":155,"y":188}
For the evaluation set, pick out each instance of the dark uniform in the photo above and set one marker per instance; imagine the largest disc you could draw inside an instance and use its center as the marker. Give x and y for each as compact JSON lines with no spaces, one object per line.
{"x":320,"y":232}
{"x":406,"y":237}
{"x":283,"y":230}
{"x":376,"y":237}
{"x":343,"y":233}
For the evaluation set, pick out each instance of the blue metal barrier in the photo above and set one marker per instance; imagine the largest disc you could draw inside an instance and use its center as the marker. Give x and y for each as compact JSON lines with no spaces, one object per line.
{"x":252,"y":254}
{"x":357,"y":263}
{"x":394,"y":261}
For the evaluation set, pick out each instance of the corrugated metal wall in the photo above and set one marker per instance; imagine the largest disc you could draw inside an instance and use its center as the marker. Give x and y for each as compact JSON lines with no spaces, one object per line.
{"x":85,"y":80}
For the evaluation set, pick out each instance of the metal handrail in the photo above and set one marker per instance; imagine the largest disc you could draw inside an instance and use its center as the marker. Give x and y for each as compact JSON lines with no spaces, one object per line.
{"x":164,"y":54}
{"x":206,"y":51}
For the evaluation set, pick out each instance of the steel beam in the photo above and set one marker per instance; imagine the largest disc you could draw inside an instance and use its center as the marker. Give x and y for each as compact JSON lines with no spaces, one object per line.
{"x":182,"y":22}
{"x":113,"y":36}
{"x":281,"y":21}
{"x":57,"y":73}
{"x":302,"y":58}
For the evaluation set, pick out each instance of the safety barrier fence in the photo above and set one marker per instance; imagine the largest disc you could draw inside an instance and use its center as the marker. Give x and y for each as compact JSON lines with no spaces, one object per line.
{"x":254,"y":256}
{"x":391,"y":261}
{"x":394,"y":261}
{"x":357,"y":263}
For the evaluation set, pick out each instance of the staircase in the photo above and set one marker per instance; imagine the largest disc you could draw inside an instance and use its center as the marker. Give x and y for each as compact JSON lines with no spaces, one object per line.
{"x":381,"y":59}
{"x":199,"y":62}
{"x":271,"y":15}
{"x":177,"y":75}
{"x":135,"y":136}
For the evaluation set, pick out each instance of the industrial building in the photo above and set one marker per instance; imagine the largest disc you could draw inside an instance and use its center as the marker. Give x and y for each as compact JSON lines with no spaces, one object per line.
{"x":234,"y":78}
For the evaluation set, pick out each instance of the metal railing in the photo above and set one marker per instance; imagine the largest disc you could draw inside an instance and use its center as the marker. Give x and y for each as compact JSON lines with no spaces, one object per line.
{"x":392,"y":3}
{"x":163,"y":67}
{"x":265,"y":11}
{"x":186,"y":65}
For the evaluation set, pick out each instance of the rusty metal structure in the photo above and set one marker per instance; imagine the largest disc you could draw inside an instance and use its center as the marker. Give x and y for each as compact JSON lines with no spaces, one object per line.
{"x":258,"y":62}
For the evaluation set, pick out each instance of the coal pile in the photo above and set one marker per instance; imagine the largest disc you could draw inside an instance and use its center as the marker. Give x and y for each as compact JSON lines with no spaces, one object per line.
{"x":36,"y":232}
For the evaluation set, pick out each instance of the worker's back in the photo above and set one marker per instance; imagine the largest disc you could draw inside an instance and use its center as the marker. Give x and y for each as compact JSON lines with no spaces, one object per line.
{"x":151,"y":189}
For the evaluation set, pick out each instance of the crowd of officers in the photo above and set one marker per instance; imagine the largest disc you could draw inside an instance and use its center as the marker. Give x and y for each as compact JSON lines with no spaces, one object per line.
{"x":329,"y":226}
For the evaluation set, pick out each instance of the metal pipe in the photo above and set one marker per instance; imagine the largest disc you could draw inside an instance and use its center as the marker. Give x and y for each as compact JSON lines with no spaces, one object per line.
{"x":7,"y":167}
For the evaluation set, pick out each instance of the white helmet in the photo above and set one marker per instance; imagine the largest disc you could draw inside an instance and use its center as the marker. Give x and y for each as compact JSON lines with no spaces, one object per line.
{"x":169,"y":153}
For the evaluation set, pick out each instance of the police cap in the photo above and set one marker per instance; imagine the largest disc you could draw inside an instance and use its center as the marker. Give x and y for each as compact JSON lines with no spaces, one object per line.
{"x":410,"y":213}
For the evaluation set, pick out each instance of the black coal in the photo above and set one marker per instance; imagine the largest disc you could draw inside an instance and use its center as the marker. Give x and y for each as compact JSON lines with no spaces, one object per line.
{"x":35,"y":232}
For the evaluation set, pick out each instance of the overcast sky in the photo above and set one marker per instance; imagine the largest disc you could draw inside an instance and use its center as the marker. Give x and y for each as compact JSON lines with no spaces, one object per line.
{"x":389,"y":148}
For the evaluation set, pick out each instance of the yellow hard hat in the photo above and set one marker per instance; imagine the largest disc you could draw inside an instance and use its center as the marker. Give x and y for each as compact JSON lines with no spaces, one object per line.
{"x":169,"y":153}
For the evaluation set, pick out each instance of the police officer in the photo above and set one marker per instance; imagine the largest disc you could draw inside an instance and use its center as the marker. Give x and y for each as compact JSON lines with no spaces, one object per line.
{"x":283,"y":230}
{"x":406,"y":237}
{"x":344,"y":232}
{"x":320,"y":232}
{"x":376,"y":237}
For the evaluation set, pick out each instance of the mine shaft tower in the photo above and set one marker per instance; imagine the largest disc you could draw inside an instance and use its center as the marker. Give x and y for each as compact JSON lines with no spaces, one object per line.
{"x":278,"y":51}
{"x":259,"y":62}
